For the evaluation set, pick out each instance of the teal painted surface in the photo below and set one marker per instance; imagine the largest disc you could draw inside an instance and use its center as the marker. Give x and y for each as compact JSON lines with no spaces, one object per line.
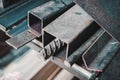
{"x":18,"y":29}
{"x":18,"y":13}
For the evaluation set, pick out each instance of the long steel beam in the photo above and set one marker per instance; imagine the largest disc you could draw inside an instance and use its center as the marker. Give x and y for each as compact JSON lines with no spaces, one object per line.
{"x":39,"y":17}
{"x":106,"y":13}
{"x":73,"y":28}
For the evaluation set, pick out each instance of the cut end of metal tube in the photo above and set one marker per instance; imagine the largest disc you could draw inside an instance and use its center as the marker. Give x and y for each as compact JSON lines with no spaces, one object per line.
{"x":35,"y":24}
{"x":21,"y":39}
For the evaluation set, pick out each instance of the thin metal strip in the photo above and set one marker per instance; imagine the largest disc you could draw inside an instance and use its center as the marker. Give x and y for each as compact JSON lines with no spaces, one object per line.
{"x":21,"y":39}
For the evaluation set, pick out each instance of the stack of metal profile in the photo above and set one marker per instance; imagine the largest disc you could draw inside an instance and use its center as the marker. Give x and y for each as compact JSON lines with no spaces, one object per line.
{"x":81,"y":36}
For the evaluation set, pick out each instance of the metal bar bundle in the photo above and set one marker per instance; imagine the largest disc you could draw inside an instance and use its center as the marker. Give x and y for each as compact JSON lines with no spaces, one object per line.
{"x":106,"y":13}
{"x":46,"y":13}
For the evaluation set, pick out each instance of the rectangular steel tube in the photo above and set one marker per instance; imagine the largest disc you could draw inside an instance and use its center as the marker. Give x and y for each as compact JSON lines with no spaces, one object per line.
{"x":39,"y":17}
{"x":73,"y":28}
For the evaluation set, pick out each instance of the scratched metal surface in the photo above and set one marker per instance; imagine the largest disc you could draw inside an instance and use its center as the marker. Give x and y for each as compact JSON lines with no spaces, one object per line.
{"x":106,"y":13}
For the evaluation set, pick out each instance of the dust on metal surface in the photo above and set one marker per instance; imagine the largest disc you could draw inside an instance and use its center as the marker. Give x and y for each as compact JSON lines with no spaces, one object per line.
{"x":71,"y":28}
{"x":106,"y":13}
{"x":39,"y":17}
{"x":21,"y":39}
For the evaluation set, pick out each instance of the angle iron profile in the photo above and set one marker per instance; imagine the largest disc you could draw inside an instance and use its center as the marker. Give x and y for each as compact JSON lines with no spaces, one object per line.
{"x":100,"y":53}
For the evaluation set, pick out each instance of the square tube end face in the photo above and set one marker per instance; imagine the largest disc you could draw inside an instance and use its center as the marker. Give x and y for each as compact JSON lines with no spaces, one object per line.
{"x":35,"y":25}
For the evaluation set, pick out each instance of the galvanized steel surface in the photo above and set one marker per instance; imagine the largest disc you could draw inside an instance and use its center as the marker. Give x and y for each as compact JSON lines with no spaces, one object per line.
{"x":71,"y":27}
{"x":39,"y":17}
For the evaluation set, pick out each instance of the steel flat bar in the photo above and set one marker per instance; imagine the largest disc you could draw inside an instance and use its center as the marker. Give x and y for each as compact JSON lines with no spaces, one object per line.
{"x":12,"y":17}
{"x":21,"y":39}
{"x":106,"y":13}
{"x":73,"y":28}
{"x":18,"y":29}
{"x":76,"y":55}
{"x":43,"y":15}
